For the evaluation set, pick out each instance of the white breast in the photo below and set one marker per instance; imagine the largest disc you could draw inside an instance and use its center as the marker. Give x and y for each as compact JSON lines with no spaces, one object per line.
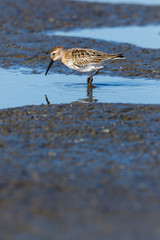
{"x":84,"y":68}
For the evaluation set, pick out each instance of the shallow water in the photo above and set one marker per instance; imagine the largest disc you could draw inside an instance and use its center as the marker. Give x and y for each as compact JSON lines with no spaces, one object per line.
{"x":142,"y":36}
{"x":24,"y":88}
{"x":145,"y":2}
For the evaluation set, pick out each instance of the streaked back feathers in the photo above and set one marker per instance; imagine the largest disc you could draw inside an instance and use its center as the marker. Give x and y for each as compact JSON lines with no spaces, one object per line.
{"x":82,"y":56}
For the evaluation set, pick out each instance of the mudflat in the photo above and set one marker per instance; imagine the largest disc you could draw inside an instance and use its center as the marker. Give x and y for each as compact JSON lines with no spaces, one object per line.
{"x":23,"y":43}
{"x":78,"y":171}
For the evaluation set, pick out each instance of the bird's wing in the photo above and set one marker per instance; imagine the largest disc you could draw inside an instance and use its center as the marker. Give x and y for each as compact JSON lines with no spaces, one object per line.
{"x":83,"y":57}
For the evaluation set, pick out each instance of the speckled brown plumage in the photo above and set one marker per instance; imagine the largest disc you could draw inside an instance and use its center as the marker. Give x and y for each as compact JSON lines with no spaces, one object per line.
{"x":81,"y":56}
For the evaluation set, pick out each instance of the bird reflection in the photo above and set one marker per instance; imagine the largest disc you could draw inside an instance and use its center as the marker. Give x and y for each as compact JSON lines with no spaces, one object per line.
{"x":48,"y":102}
{"x":90,"y":97}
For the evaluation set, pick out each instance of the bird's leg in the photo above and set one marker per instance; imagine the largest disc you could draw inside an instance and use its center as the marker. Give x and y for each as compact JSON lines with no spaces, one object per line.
{"x":90,"y":79}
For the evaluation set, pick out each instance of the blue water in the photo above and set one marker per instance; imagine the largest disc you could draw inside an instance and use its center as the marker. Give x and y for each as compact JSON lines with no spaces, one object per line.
{"x":20,"y":88}
{"x":145,"y":2}
{"x":142,"y":36}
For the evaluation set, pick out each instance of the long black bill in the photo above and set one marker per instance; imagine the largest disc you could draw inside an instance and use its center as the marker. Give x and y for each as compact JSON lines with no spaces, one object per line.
{"x":50,"y":64}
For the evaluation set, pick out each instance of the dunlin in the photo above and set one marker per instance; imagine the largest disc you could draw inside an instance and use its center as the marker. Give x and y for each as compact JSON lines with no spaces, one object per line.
{"x":82,"y":59}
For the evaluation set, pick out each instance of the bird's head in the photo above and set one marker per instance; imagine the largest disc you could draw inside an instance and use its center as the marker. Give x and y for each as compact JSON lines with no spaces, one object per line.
{"x":56,"y":54}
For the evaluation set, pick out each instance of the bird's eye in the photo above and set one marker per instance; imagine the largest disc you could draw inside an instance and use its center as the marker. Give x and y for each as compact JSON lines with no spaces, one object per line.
{"x":53,"y":54}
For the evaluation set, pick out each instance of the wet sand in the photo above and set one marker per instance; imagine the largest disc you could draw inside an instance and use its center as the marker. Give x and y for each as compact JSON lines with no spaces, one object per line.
{"x":24,"y":45}
{"x":78,"y":171}
{"x":86,"y":171}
